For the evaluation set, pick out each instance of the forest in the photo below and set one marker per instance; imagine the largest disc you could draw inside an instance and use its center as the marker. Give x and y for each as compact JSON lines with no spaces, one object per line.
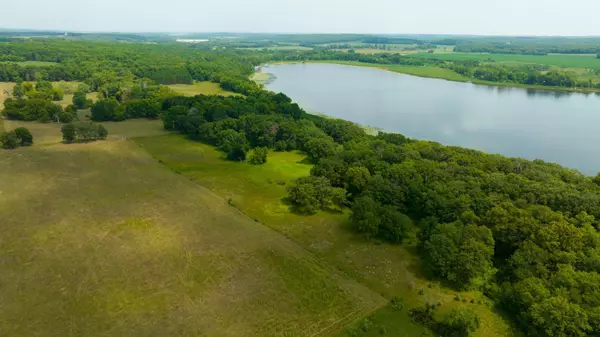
{"x":523,"y":232}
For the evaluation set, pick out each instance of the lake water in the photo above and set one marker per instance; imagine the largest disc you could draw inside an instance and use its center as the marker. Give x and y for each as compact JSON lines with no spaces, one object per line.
{"x":554,"y":126}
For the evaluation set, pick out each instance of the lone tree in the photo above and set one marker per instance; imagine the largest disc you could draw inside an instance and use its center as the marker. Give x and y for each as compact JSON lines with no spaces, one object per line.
{"x":69,"y":132}
{"x":24,"y":136}
{"x":259,"y":156}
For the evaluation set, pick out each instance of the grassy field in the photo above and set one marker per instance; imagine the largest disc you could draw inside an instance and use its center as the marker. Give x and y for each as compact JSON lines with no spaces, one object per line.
{"x":258,"y":191}
{"x":261,"y":78}
{"x":432,"y":72}
{"x":200,"y":88}
{"x":283,"y":48}
{"x":99,"y":239}
{"x":568,"y":61}
{"x":36,"y":63}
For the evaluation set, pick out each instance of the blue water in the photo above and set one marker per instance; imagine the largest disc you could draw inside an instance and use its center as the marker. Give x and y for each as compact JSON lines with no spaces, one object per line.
{"x":554,"y":126}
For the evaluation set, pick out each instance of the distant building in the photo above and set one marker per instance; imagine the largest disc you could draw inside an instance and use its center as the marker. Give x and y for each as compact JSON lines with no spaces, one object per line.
{"x":191,"y":40}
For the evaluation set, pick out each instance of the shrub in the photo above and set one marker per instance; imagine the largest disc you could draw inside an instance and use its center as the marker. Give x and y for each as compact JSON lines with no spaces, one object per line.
{"x":9,"y":140}
{"x":83,"y":131}
{"x":460,"y":322}
{"x":259,"y":156}
{"x":237,"y":153}
{"x":68,"y":132}
{"x":24,"y":136}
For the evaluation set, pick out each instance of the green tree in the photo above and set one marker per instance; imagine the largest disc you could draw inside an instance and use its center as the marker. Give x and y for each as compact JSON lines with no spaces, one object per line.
{"x":318,"y":148}
{"x":24,"y":136}
{"x":9,"y":140}
{"x":102,"y":132}
{"x":311,"y":194}
{"x":69,"y":132}
{"x":18,"y":91}
{"x":57,"y":94}
{"x":365,"y":216}
{"x":259,"y":156}
{"x":460,"y":322}
{"x":79,"y":99}
{"x":107,"y":110}
{"x":461,"y":253}
{"x":557,"y":317}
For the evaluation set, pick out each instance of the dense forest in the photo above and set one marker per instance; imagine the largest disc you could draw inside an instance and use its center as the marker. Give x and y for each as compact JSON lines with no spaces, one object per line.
{"x":524,"y":232}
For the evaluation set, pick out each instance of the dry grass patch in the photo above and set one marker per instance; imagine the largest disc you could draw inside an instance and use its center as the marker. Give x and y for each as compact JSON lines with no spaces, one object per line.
{"x":99,"y":239}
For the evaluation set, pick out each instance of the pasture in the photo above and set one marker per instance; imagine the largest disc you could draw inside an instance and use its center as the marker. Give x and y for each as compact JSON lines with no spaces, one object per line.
{"x":258,"y":191}
{"x":200,"y":88}
{"x":558,"y":60}
{"x":99,"y":239}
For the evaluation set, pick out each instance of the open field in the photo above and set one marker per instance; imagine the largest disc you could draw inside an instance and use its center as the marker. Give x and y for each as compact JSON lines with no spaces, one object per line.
{"x":389,"y":270}
{"x":282,"y":48}
{"x":36,"y":63}
{"x":568,"y":61}
{"x":99,"y":239}
{"x":200,"y":88}
{"x":49,"y":133}
{"x":433,"y":72}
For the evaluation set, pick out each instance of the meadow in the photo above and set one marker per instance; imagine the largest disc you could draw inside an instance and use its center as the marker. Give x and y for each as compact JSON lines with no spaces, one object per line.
{"x":558,"y":60}
{"x":259,"y":192}
{"x":101,"y":239}
{"x":200,"y":88}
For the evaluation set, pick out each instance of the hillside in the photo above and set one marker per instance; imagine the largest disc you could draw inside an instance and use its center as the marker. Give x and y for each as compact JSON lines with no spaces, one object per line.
{"x":100,"y":239}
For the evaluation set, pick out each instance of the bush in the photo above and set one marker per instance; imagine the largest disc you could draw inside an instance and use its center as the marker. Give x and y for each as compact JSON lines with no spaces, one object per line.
{"x":69,"y":133}
{"x":9,"y":140}
{"x":461,"y":322}
{"x":397,"y":303}
{"x":24,"y":136}
{"x":83,"y":131}
{"x":311,"y":194}
{"x":237,"y":153}
{"x":259,"y":156}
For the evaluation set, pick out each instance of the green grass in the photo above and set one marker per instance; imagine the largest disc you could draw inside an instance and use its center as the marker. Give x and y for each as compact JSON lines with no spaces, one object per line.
{"x":282,"y":48}
{"x":99,"y":239}
{"x":200,"y":88}
{"x":389,"y":270}
{"x":568,"y":61}
{"x":36,"y":63}
{"x":261,"y":78}
{"x":432,"y":72}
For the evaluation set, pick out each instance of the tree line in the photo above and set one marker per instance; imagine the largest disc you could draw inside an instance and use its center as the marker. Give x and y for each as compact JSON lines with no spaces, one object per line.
{"x":524,"y":232}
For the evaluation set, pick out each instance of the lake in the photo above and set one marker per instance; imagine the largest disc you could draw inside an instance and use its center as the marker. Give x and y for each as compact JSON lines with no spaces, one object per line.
{"x":557,"y":127}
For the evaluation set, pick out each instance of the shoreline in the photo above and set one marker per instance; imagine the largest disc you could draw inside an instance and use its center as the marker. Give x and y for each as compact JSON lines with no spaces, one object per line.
{"x":386,"y":67}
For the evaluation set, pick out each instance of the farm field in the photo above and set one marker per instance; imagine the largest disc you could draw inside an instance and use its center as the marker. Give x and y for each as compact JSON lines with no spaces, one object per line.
{"x":433,"y":72}
{"x":200,"y":88}
{"x":100,"y":239}
{"x":567,"y":61}
{"x":389,"y":270}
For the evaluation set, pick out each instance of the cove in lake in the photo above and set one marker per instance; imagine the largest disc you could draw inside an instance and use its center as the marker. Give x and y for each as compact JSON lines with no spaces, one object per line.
{"x":557,"y":127}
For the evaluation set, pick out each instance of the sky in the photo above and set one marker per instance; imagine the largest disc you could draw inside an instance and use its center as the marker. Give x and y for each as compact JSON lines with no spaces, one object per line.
{"x":477,"y":17}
